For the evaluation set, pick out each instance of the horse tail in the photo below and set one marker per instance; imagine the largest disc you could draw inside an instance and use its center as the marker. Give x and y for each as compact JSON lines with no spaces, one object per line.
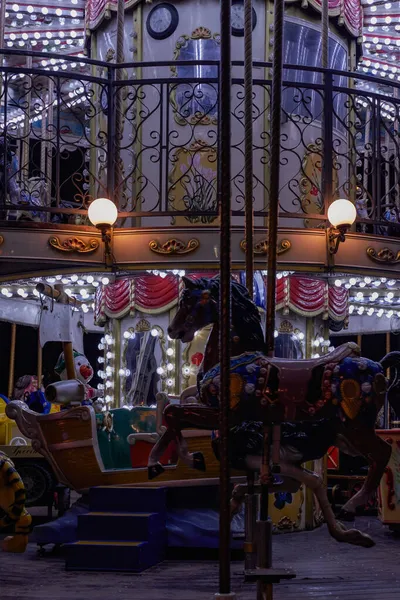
{"x":393,"y":360}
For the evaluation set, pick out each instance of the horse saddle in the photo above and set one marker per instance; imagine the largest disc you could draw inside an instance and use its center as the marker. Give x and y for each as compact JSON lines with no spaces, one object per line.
{"x":298,"y":380}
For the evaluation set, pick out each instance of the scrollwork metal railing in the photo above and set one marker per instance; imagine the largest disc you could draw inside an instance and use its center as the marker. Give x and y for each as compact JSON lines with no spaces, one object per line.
{"x":58,"y":142}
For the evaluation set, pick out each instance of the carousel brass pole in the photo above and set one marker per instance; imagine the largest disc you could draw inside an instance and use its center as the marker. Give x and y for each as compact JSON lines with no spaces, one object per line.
{"x":325,"y":34}
{"x":12,"y":360}
{"x":3,"y":6}
{"x":264,"y":525}
{"x":248,"y":142}
{"x":119,"y":120}
{"x":224,"y":200}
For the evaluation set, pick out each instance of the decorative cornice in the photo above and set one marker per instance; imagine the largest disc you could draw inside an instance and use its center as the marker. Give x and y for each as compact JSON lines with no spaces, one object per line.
{"x":385,"y":255}
{"x":174,"y":246}
{"x":262,"y":247}
{"x":74,"y":244}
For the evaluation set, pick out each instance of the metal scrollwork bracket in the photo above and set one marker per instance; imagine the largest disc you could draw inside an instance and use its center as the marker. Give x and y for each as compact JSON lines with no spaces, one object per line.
{"x":262,"y":247}
{"x":74,"y":244}
{"x":174,"y":246}
{"x":383,"y":256}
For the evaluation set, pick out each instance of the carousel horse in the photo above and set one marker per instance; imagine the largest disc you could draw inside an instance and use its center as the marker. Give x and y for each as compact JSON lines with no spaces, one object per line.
{"x":341,"y":390}
{"x":12,"y":502}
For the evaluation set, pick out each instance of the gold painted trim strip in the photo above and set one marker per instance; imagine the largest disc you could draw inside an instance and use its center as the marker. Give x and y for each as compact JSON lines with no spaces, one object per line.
{"x":261,"y":247}
{"x":385,"y":255}
{"x":174,"y":246}
{"x":74,"y":244}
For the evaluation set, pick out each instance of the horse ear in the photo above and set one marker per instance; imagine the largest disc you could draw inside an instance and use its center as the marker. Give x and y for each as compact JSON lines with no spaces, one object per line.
{"x":189,"y":283}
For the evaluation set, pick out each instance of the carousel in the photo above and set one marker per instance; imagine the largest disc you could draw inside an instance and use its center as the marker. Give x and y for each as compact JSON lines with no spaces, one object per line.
{"x":196,"y":250}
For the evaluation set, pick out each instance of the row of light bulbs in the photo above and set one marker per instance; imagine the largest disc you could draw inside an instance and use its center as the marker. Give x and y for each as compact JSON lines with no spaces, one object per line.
{"x":379,"y":312}
{"x":363,"y":282}
{"x":48,"y":10}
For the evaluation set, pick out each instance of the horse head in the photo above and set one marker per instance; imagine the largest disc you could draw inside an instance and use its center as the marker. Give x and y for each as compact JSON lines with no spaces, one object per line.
{"x":197,"y":309}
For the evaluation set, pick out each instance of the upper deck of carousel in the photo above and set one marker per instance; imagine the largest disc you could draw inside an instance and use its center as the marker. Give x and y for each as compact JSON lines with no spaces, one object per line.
{"x":145,"y":134}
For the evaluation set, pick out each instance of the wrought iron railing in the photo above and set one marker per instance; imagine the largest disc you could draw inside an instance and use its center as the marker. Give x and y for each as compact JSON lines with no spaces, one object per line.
{"x":146,"y":135}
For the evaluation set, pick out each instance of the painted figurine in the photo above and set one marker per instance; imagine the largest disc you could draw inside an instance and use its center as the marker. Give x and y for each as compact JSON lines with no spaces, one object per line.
{"x":12,"y":502}
{"x":84,"y":373}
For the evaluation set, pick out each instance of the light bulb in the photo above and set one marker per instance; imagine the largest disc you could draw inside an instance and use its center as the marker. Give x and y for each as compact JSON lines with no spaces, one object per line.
{"x":342,"y":213}
{"x":90,"y":278}
{"x":170,"y":367}
{"x":105,"y":281}
{"x":160,"y":371}
{"x":154,"y":332}
{"x":100,"y":359}
{"x":338,"y":282}
{"x":352,"y":281}
{"x":74,"y":278}
{"x":170,"y":352}
{"x":127,"y":335}
{"x":102,"y":212}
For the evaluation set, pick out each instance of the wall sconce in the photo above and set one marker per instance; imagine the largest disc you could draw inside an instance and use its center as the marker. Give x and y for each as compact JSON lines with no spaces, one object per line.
{"x":103,"y":213}
{"x":341,"y":215}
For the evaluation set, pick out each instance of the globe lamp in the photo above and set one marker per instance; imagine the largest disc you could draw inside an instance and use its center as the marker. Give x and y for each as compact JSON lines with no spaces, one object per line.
{"x":341,"y":215}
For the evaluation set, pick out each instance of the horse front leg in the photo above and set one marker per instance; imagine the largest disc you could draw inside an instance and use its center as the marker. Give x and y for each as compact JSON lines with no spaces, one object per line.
{"x":336,"y":529}
{"x":178,"y":417}
{"x":377,"y":452}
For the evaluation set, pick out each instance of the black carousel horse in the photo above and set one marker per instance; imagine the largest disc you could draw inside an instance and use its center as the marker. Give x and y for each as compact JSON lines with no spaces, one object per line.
{"x":330,"y":400}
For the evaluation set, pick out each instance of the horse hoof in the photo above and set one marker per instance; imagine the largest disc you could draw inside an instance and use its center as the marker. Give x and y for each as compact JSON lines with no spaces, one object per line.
{"x":345,"y":515}
{"x":155,"y":470}
{"x":198,"y":461}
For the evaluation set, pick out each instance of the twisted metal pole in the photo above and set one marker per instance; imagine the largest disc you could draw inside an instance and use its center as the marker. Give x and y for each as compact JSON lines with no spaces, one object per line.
{"x":325,"y":34}
{"x":119,"y":120}
{"x":224,"y":200}
{"x":248,"y":141}
{"x":264,"y":526}
{"x":273,"y":209}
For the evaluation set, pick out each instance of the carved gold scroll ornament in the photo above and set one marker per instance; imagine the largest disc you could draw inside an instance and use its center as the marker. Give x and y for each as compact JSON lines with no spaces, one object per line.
{"x":74,"y":244}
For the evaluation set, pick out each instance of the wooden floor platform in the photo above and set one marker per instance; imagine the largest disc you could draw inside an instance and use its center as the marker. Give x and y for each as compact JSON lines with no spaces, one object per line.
{"x":325,"y":571}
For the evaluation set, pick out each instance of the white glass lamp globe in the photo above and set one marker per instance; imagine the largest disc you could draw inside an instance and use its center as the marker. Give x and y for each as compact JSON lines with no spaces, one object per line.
{"x":342,"y":213}
{"x":102,"y":212}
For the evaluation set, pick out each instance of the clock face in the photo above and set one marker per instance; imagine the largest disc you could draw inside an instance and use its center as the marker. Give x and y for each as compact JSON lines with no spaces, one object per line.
{"x":162,"y":21}
{"x":237,"y":18}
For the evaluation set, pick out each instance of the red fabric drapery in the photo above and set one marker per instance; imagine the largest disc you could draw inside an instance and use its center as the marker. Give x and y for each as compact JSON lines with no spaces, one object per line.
{"x":153,"y":294}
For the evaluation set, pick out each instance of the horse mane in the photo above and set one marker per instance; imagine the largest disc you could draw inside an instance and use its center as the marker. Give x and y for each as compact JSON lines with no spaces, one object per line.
{"x":246,"y":318}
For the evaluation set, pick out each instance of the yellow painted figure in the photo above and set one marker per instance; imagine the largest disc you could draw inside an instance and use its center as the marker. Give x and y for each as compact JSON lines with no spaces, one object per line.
{"x":12,"y":502}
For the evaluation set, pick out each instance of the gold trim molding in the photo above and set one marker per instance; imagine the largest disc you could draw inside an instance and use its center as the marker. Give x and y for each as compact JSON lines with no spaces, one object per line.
{"x":174,"y":246}
{"x":261,"y":247}
{"x":385,"y":255}
{"x":74,"y":244}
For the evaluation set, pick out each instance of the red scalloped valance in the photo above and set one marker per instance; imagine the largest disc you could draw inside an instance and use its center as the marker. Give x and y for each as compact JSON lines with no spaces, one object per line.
{"x":152,"y":294}
{"x":312,"y":297}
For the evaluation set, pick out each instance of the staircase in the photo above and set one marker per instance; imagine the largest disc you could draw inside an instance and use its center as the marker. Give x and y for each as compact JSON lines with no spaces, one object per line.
{"x":117,"y":534}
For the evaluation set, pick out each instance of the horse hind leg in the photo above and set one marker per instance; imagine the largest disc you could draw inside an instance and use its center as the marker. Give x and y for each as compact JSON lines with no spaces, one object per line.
{"x":377,"y":452}
{"x":336,"y":529}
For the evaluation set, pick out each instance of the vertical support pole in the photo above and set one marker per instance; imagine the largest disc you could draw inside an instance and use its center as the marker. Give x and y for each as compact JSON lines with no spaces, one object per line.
{"x":119,"y":120}
{"x":326,"y":121}
{"x":248,"y":142}
{"x":12,"y":360}
{"x":273,"y":209}
{"x":264,"y":526}
{"x":3,"y":6}
{"x":224,"y":197}
{"x":117,"y":362}
{"x":26,"y":136}
{"x":67,"y":346}
{"x":39,"y":363}
{"x":386,"y":412}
